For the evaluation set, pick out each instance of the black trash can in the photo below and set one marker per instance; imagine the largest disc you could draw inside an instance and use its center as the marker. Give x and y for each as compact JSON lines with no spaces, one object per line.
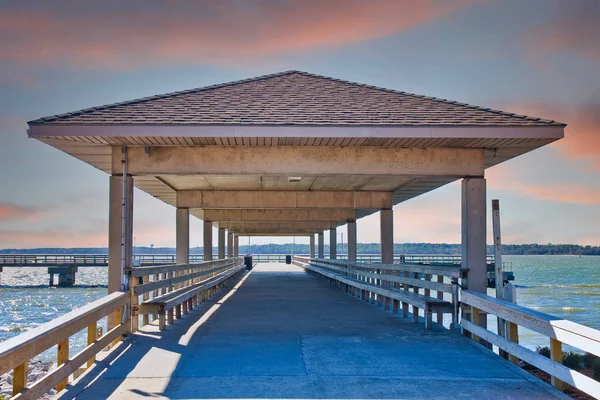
{"x":288,"y":259}
{"x":248,"y":261}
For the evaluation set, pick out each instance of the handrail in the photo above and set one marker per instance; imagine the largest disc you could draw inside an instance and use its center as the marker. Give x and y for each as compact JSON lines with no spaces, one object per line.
{"x":558,"y":330}
{"x":16,"y":352}
{"x":381,"y":280}
{"x":164,"y":279}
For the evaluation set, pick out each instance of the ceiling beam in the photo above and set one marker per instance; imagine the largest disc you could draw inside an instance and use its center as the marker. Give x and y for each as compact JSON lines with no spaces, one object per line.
{"x":275,"y":226}
{"x":218,"y":199}
{"x":275,"y":215}
{"x":303,"y":160}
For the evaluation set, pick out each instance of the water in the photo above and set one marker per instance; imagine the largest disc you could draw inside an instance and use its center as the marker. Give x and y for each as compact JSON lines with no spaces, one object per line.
{"x":565,"y":286}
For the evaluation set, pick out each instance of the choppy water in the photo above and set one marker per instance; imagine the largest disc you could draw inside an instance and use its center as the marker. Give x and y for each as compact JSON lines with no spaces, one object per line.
{"x":565,"y":286}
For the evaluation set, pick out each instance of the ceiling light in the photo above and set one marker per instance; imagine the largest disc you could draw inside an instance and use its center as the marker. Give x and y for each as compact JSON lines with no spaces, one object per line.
{"x":294,"y":178}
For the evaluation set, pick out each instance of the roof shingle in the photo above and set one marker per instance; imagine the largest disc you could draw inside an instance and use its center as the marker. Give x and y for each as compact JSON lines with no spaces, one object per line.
{"x":293,"y":98}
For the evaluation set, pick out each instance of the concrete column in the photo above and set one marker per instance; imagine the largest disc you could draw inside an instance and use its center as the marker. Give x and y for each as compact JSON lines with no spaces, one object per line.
{"x":236,"y":245}
{"x":352,"y":241}
{"x":321,"y":248}
{"x":115,"y":224}
{"x":208,"y":241}
{"x":332,"y":244}
{"x":473,"y":233}
{"x":229,"y":244}
{"x":312,"y":246}
{"x":221,"y":243}
{"x":387,"y":236}
{"x":182,"y":237}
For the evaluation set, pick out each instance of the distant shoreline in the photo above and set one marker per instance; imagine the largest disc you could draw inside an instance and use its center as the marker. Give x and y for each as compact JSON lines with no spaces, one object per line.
{"x":362,"y":248}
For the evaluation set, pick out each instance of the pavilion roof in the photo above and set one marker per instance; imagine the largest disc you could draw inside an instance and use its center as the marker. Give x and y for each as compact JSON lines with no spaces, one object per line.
{"x":293,"y":98}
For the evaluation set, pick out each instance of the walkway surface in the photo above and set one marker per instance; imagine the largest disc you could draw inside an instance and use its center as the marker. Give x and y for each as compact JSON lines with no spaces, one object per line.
{"x":282,"y":333}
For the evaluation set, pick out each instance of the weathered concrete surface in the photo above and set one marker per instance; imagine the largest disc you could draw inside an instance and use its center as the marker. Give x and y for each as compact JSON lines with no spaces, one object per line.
{"x":286,"y":334}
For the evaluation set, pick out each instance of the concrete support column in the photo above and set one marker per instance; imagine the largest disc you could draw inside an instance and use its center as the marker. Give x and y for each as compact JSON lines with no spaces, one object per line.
{"x":115,"y":232}
{"x":474,"y":233}
{"x":221,"y":243}
{"x":387,"y":236}
{"x":352,"y":241}
{"x":208,"y":256}
{"x":312,"y":246}
{"x":321,"y":248}
{"x":229,"y":244}
{"x":182,"y":236}
{"x":332,"y":244}
{"x":236,"y":245}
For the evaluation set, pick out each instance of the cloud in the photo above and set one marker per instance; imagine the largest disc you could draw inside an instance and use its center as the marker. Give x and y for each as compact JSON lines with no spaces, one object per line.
{"x":215,"y":33}
{"x":575,"y":30}
{"x":582,"y":134}
{"x":10,"y":212}
{"x":52,"y":238}
{"x":506,"y":179}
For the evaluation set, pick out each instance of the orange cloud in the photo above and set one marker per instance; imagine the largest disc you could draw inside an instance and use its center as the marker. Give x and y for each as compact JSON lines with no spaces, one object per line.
{"x":14,"y":212}
{"x":216,"y":33}
{"x":505,"y":179}
{"x":582,"y":134}
{"x":52,"y":238}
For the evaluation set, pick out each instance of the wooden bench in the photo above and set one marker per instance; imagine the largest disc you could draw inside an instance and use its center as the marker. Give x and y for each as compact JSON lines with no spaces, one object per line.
{"x":398,"y":285}
{"x":169,"y":291}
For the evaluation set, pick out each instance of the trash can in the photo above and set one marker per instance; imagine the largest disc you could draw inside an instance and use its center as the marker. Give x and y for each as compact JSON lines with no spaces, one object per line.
{"x":248,"y":261}
{"x":288,"y":259}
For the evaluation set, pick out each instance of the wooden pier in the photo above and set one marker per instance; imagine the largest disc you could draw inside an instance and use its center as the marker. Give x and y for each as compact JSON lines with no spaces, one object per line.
{"x":295,"y":154}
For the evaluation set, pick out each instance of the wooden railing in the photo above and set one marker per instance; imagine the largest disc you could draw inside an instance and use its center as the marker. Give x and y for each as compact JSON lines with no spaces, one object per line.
{"x":159,"y":292}
{"x":398,"y":286}
{"x":16,"y":352}
{"x":558,"y":330}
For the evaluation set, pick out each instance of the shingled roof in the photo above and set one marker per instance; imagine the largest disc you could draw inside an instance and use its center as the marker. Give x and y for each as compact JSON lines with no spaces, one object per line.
{"x":293,"y":98}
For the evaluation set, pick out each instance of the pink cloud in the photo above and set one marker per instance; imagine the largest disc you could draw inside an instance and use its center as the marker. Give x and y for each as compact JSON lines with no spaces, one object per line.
{"x":10,"y":212}
{"x":216,"y":33}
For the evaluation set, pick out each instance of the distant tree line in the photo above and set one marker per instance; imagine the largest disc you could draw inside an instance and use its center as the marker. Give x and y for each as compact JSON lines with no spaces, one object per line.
{"x":362,"y":248}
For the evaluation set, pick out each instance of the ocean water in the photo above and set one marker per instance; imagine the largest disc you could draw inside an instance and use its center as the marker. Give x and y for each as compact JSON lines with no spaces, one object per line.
{"x":565,"y":286}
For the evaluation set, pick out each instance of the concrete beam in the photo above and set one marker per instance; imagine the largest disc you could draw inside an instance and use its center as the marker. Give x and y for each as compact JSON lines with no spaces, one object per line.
{"x":352,"y":244}
{"x":332,"y":244}
{"x":208,"y":243}
{"x":302,"y":160}
{"x":182,"y":235}
{"x":262,"y":234}
{"x":276,"y":215}
{"x":387,"y":236}
{"x":229,"y":244}
{"x":221,"y":244}
{"x":273,"y":226}
{"x":321,"y":246}
{"x":219,"y":199}
{"x":273,"y":232}
{"x":474,"y":233}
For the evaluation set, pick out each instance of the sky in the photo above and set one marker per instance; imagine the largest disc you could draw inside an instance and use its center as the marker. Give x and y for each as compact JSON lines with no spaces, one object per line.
{"x":534,"y":57}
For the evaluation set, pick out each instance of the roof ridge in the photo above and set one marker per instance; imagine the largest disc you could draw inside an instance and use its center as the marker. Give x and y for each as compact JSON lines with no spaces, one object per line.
{"x":438,"y":99}
{"x":163,"y":96}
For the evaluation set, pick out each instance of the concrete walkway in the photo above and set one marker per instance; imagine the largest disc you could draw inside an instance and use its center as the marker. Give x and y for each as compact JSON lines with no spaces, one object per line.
{"x":282,"y":333}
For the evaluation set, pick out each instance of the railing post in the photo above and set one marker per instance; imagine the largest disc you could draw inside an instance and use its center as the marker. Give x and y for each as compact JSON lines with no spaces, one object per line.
{"x":20,"y":377}
{"x":91,"y":338}
{"x":135,"y":320}
{"x":475,"y":320}
{"x":556,"y":356}
{"x":63,"y":356}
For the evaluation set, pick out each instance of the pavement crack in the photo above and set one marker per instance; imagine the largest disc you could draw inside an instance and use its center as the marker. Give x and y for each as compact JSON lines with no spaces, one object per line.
{"x":302,"y":354}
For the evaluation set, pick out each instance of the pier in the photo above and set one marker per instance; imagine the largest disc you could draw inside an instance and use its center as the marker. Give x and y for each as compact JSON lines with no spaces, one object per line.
{"x":296,"y":154}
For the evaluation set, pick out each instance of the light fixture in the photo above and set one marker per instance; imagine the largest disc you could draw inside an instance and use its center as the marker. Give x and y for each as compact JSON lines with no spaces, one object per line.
{"x":294,"y":178}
